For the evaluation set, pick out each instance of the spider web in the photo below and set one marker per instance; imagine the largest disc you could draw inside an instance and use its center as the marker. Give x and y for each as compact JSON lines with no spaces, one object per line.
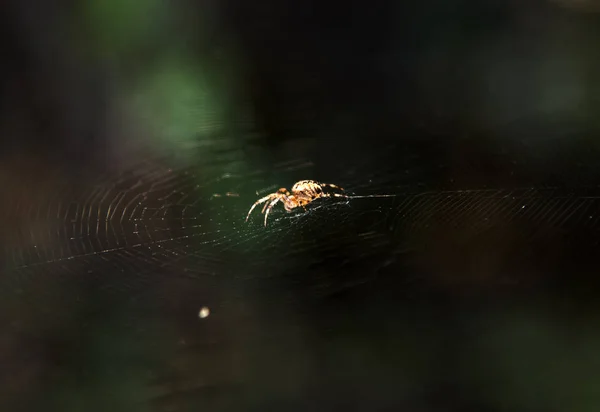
{"x":159,"y":220}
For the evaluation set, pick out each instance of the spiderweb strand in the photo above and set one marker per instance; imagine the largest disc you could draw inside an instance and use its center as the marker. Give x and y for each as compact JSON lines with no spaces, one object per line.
{"x":367,"y":196}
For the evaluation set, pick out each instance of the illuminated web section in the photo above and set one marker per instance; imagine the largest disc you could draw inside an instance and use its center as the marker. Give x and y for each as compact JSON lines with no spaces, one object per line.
{"x":158,"y":220}
{"x":153,"y":218}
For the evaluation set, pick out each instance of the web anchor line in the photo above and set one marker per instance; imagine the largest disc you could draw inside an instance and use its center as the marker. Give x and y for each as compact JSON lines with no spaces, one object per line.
{"x":368,"y":196}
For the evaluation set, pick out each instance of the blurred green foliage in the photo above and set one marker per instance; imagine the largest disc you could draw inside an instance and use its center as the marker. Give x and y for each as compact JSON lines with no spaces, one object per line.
{"x":119,"y":26}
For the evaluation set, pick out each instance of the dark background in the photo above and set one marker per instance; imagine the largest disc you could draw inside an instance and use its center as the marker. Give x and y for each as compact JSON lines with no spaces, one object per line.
{"x":474,"y":288}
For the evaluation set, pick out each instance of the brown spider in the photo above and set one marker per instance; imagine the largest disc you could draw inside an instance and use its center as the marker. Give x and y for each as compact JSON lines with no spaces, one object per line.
{"x":303,"y":192}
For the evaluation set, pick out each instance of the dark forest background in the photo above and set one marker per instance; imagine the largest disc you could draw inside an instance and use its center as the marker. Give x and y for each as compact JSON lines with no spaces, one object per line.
{"x":436,"y":94}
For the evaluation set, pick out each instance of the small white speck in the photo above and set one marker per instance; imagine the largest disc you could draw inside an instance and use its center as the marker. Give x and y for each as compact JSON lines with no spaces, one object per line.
{"x":523,"y":207}
{"x":204,"y":312}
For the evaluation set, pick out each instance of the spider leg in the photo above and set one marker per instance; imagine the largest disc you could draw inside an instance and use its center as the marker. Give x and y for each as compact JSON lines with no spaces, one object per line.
{"x":258,"y":202}
{"x":303,"y":204}
{"x":331,"y":185}
{"x":273,"y":202}
{"x":265,"y":207}
{"x":334,"y":187}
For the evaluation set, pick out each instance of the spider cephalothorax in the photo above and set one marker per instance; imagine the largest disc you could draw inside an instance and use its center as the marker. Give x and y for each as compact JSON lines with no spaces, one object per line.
{"x":303,"y":192}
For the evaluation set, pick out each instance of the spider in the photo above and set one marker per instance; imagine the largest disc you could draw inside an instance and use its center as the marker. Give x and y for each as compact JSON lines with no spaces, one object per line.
{"x":303,"y":192}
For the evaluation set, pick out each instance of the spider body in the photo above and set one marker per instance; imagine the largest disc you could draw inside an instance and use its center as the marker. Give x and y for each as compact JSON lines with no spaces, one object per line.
{"x":303,"y":192}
